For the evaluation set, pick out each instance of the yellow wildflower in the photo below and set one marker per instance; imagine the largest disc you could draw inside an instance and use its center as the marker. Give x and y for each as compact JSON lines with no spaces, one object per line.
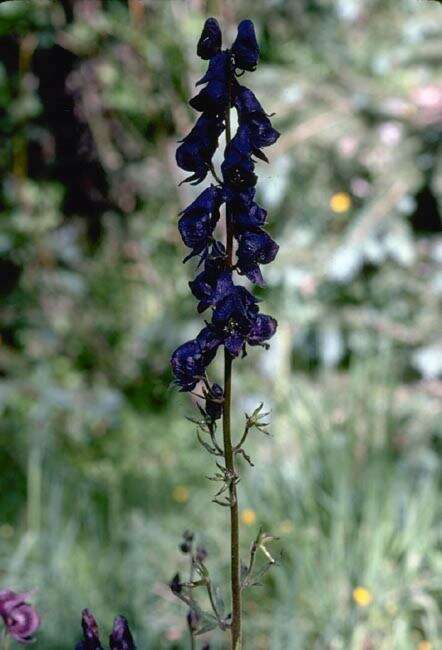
{"x":248,"y":516}
{"x":340,"y":202}
{"x":180,"y":494}
{"x":424,"y":645}
{"x":362,"y":596}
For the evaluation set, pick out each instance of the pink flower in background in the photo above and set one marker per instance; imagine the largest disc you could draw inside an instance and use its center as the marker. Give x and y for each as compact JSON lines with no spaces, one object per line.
{"x":20,"y":618}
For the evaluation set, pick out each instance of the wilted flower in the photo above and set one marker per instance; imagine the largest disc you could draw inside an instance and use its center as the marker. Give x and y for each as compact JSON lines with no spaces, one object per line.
{"x":20,"y":618}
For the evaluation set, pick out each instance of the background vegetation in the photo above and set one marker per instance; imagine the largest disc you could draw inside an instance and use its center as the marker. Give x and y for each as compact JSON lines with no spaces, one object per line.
{"x":99,"y":471}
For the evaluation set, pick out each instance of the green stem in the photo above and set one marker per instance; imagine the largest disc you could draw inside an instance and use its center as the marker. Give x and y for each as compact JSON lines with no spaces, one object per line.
{"x":5,"y":640}
{"x":229,"y":456}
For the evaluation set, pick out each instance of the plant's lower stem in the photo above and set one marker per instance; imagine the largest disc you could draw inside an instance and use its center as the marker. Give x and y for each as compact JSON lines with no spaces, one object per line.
{"x":234,"y":516}
{"x":5,"y":640}
{"x":229,"y":454}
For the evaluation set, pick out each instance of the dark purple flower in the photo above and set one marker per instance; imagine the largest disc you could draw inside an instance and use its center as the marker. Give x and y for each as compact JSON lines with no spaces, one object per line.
{"x":210,"y":40}
{"x":244,"y":212}
{"x":209,"y":342}
{"x":236,"y":310}
{"x":252,"y":116}
{"x":218,"y":70}
{"x":214,"y":97}
{"x":175,"y":584}
{"x":190,"y":360}
{"x":233,"y":318}
{"x":236,"y":321}
{"x":209,"y":288}
{"x":255,"y":248}
{"x":188,"y":365}
{"x":20,"y":618}
{"x":199,"y":219}
{"x":211,"y":99}
{"x":193,"y":619}
{"x":238,"y":167}
{"x":245,"y":48}
{"x":211,"y":283}
{"x":214,"y":402}
{"x":121,"y":637}
{"x":91,"y":636}
{"x":262,"y":330}
{"x":196,"y":150}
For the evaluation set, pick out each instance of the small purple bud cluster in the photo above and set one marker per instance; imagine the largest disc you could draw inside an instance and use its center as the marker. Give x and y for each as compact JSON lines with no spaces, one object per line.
{"x":236,"y":320}
{"x":20,"y":618}
{"x":120,"y":638}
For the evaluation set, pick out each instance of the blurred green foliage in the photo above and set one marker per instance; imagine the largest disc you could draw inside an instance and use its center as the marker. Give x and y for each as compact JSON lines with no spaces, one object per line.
{"x":99,"y":471}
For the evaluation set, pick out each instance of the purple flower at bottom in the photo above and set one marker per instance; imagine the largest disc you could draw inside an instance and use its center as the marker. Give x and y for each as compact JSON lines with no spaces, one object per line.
{"x":190,"y":360}
{"x":121,"y":637}
{"x":188,"y":365}
{"x":20,"y":618}
{"x":91,"y":636}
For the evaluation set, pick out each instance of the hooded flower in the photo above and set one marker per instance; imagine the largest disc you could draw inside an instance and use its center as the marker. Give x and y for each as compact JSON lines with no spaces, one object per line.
{"x":214,"y":281}
{"x":252,"y":116}
{"x":256,"y":247}
{"x":238,"y":167}
{"x":188,"y":365}
{"x":262,"y":329}
{"x":199,"y":219}
{"x":196,"y":150}
{"x":245,"y":48}
{"x":210,"y":287}
{"x":20,"y":618}
{"x":91,"y":638}
{"x":121,"y":637}
{"x":214,"y":97}
{"x":214,"y":402}
{"x":244,"y":212}
{"x":210,"y":39}
{"x":190,"y":360}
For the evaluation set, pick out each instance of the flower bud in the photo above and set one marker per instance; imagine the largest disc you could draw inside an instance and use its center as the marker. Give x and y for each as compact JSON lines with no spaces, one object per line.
{"x":175,"y":584}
